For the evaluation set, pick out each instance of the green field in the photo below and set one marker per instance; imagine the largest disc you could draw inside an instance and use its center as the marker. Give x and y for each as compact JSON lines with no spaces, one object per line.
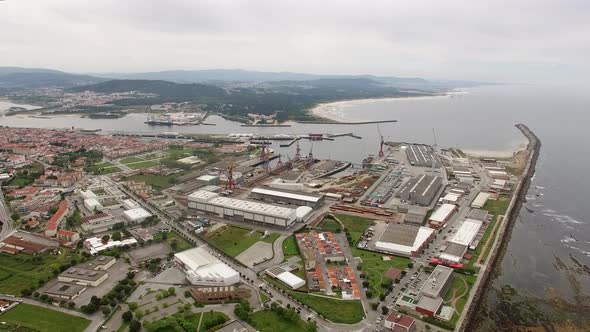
{"x":102,"y":168}
{"x":187,"y":323}
{"x":335,"y":310}
{"x":156,"y":181}
{"x":373,"y":265}
{"x":461,"y":285}
{"x":130,"y":160}
{"x":20,"y":272}
{"x":270,"y":321}
{"x":233,"y":240}
{"x":290,"y":247}
{"x":356,"y":226}
{"x":496,"y":208}
{"x":43,"y":319}
{"x":330,"y":225}
{"x":144,"y":164}
{"x":181,"y":243}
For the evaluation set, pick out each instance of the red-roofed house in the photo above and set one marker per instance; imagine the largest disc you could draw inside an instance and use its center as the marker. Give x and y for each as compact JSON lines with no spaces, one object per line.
{"x":400,"y":323}
{"x":56,"y":219}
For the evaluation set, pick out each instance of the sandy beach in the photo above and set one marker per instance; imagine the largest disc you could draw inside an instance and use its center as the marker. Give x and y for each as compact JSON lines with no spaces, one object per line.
{"x":337,"y":111}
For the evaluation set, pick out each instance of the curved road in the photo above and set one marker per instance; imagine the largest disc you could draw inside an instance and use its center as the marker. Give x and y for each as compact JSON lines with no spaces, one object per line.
{"x":250,"y":277}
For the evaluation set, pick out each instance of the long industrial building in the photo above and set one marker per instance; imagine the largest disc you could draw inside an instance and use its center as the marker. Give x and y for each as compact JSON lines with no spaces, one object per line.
{"x":441,"y":215}
{"x":242,"y":210}
{"x":404,"y":240}
{"x":421,"y":155}
{"x":202,"y":268}
{"x":421,"y":189}
{"x":461,"y":241}
{"x":287,"y":197}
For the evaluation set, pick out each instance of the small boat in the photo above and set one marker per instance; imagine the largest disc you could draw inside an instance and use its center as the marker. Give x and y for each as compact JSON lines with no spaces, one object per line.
{"x":529,"y":209}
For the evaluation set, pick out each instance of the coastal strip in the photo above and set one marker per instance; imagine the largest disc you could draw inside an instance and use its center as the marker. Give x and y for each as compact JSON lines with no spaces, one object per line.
{"x":469,"y":320}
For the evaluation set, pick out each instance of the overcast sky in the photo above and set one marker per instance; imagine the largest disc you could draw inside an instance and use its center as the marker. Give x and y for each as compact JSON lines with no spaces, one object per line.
{"x":517,"y":41}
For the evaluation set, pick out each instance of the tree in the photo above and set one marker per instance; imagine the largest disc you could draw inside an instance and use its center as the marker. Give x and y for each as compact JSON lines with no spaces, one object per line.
{"x":382,"y":297}
{"x":171,"y":291}
{"x":134,"y":326}
{"x":105,"y":238}
{"x":384,"y":310}
{"x":127,"y":316}
{"x":374,"y":305}
{"x":106,"y":311}
{"x":15,"y":216}
{"x":116,"y":236}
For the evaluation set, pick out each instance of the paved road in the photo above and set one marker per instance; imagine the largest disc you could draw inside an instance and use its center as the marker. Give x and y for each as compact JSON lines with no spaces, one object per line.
{"x":7,"y":223}
{"x":248,"y":276}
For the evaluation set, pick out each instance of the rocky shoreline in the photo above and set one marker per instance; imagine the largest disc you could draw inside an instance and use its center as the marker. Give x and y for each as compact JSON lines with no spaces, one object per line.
{"x":472,"y":316}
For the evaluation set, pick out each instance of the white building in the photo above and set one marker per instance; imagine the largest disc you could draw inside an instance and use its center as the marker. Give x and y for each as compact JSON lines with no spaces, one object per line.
{"x":95,"y":244}
{"x":461,"y":241}
{"x":291,"y":280}
{"x":241,"y":210}
{"x":92,"y":203}
{"x":404,"y":240}
{"x":480,"y":200}
{"x":441,"y":215}
{"x":136,"y":215}
{"x":130,"y":204}
{"x":202,"y":268}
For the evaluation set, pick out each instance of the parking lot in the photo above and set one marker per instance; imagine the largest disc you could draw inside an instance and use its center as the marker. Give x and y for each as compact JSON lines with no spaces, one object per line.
{"x":148,"y":252}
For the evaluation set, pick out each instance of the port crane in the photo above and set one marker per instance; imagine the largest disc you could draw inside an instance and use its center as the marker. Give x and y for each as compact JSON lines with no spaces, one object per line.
{"x":231,"y":183}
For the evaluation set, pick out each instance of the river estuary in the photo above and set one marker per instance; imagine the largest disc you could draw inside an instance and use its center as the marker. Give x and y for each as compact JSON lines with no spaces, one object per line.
{"x":547,"y":258}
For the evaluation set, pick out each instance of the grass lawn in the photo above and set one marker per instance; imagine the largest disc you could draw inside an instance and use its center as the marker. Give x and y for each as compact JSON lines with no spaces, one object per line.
{"x":181,"y":243}
{"x":373,"y":265}
{"x":123,"y":327}
{"x":497,"y":208}
{"x":102,"y":168}
{"x":43,"y":319}
{"x":335,"y":310}
{"x":131,"y":160}
{"x":270,"y":321}
{"x":330,"y":225}
{"x":144,"y":164}
{"x":290,"y":247}
{"x":356,"y":226}
{"x":172,"y":323}
{"x":179,"y":152}
{"x":156,"y":181}
{"x":233,"y":240}
{"x":462,"y":284}
{"x":22,"y":271}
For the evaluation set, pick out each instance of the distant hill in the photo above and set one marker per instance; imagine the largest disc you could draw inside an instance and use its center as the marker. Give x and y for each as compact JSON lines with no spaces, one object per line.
{"x":165,"y":89}
{"x":18,"y":78}
{"x":240,"y":75}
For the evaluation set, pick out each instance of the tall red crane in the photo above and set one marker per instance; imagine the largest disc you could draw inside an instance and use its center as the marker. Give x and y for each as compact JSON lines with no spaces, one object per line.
{"x":231,"y":183}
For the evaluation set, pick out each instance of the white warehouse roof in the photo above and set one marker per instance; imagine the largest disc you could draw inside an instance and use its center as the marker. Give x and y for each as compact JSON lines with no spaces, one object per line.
{"x":467,"y":232}
{"x":480,"y":200}
{"x":137,"y":214}
{"x":291,"y":280}
{"x":202,"y":266}
{"x":253,"y":207}
{"x":301,"y":197}
{"x":202,"y":196}
{"x":451,"y":197}
{"x":422,"y":236}
{"x":443,"y":212}
{"x":207,"y":197}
